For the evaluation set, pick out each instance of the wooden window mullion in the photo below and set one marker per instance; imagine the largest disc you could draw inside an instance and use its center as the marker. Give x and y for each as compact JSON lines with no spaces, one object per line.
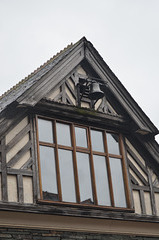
{"x":109,"y":171}
{"x":75,"y":164}
{"x":92,"y":168}
{"x":57,"y":163}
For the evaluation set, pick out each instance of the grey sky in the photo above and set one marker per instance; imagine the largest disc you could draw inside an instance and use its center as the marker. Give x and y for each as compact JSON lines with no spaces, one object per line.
{"x":125,"y":32}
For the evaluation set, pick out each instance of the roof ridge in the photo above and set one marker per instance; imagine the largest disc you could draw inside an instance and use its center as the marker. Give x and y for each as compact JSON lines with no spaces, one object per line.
{"x":38,"y":69}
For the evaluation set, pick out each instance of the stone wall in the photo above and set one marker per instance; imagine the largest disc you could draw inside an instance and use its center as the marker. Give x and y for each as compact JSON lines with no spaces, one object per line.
{"x":33,"y":234}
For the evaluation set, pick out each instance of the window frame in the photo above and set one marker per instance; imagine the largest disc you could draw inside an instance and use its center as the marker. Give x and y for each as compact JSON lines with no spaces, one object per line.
{"x":89,"y":151}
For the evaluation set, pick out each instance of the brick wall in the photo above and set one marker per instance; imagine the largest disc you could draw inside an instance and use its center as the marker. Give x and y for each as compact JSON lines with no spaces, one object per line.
{"x":34,"y":234}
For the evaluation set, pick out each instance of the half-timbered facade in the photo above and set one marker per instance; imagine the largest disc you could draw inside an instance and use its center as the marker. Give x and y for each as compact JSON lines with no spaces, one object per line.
{"x":75,"y":166}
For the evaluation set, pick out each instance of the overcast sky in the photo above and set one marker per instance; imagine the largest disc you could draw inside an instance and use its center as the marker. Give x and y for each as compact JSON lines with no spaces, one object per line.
{"x":125,"y":32}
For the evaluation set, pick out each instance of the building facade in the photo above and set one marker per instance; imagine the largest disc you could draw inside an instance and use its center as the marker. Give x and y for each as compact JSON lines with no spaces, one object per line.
{"x":78,"y":157}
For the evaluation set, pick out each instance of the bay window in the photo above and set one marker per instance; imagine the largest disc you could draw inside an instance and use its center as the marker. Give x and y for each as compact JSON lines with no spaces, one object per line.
{"x":81,"y":164}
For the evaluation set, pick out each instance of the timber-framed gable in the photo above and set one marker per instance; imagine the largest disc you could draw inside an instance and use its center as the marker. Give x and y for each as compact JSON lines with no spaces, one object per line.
{"x":50,"y":129}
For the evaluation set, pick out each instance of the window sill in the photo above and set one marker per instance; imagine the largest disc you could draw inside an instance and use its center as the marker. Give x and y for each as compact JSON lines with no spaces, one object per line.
{"x":85,"y":206}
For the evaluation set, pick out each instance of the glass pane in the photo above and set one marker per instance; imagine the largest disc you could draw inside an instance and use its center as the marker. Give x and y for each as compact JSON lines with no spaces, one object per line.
{"x":67,"y":176}
{"x":63,"y":134}
{"x":48,"y":173}
{"x":81,"y":137}
{"x":84,"y":177}
{"x":113,"y":143}
{"x":118,"y":183}
{"x":101,"y":179}
{"x":97,"y":141}
{"x":45,"y":130}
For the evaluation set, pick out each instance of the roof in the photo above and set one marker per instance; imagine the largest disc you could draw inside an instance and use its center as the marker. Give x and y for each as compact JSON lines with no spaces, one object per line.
{"x":13,"y":93}
{"x":19,"y":92}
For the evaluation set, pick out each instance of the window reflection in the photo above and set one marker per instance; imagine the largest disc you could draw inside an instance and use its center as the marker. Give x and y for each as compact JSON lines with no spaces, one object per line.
{"x":45,"y":131}
{"x":97,"y":141}
{"x":118,"y":183}
{"x":67,"y":176}
{"x":101,"y":179}
{"x":63,"y":134}
{"x":113,"y":143}
{"x":48,"y":173}
{"x":84,"y":177}
{"x":81,"y":137}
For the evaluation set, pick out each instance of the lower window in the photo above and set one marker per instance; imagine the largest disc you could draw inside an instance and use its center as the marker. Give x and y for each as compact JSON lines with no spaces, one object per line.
{"x":80,"y":164}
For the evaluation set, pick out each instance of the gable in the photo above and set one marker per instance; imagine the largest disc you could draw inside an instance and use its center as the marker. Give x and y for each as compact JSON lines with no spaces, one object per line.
{"x":66,"y":92}
{"x":57,"y":81}
{"x":51,"y":97}
{"x":36,"y":86}
{"x":30,"y":90}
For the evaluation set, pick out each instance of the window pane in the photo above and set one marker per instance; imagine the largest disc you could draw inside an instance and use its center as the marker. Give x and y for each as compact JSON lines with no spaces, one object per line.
{"x":101,"y":179}
{"x":113,"y":143}
{"x":97,"y":141}
{"x":48,"y":173}
{"x":67,"y":176}
{"x":84,"y":177}
{"x":63,"y":134}
{"x":45,"y":130}
{"x":81,"y":137}
{"x":118,"y":183}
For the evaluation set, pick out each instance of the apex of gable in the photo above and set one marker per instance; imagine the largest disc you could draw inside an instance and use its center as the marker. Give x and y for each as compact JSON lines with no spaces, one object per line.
{"x":56,"y":70}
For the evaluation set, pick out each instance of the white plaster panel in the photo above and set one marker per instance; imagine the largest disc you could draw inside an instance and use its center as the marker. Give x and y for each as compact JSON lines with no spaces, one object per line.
{"x":12,"y":188}
{"x":53,"y":94}
{"x":135,"y":152}
{"x":16,"y":130}
{"x":17,"y":147}
{"x":138,"y":167}
{"x":137,"y":202}
{"x":85,"y":105}
{"x":135,"y":176}
{"x":98,"y":104}
{"x":28,"y":189}
{"x":155,"y":179}
{"x":70,"y":96}
{"x":157,"y":203}
{"x":80,"y":70}
{"x":148,"y":203}
{"x":71,"y":83}
{"x":22,"y":160}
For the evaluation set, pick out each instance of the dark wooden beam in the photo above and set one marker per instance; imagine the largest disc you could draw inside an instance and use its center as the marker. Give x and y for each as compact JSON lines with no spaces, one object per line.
{"x":83,"y":115}
{"x":87,"y":212}
{"x":4,"y":172}
{"x":20,"y":188}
